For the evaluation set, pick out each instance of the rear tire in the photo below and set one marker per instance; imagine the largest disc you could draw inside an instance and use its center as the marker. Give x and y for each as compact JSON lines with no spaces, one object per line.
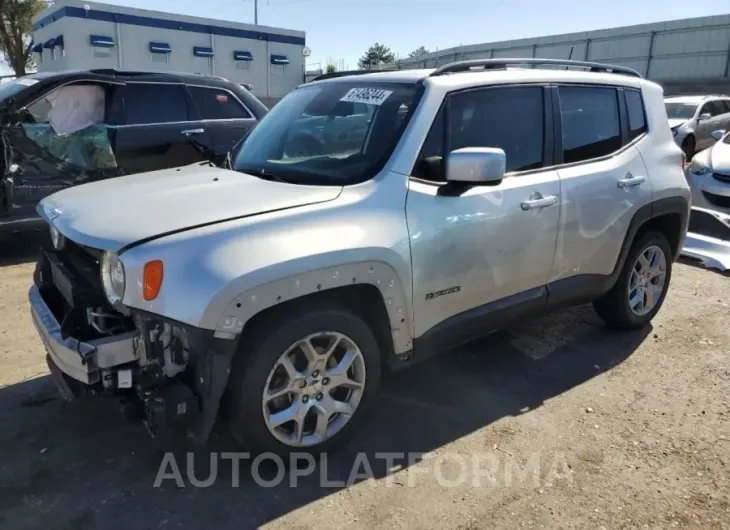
{"x":621,"y":307}
{"x":254,"y":372}
{"x":688,"y":147}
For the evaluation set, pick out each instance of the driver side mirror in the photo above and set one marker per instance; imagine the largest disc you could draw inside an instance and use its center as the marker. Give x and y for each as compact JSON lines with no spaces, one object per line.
{"x":704,"y":116}
{"x":476,"y":165}
{"x":717,"y":135}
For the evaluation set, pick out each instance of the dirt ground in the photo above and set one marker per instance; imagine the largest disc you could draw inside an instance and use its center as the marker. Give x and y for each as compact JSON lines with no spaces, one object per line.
{"x":556,"y":423}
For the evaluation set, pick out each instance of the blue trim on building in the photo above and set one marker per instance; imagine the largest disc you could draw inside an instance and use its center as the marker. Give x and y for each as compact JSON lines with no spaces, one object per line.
{"x":160,"y":47}
{"x":59,"y":40}
{"x":101,"y":41}
{"x":200,"y":51}
{"x":161,"y":23}
{"x":50,"y":43}
{"x":242,"y":56}
{"x":38,"y":48}
{"x":279,"y":59}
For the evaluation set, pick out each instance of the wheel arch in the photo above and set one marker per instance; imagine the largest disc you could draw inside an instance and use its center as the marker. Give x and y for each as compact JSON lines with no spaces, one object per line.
{"x":669,"y":215}
{"x":376,"y":282}
{"x":364,"y":299}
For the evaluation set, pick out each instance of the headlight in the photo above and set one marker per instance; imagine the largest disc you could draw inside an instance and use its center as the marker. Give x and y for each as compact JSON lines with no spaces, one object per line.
{"x":112,"y":277}
{"x":57,"y":238}
{"x":675,"y":131}
{"x":698,"y":168}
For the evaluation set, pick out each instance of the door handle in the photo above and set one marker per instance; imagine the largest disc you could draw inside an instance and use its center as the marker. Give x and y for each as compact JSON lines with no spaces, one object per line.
{"x":190,"y":132}
{"x":629,"y":182}
{"x":533,"y":204}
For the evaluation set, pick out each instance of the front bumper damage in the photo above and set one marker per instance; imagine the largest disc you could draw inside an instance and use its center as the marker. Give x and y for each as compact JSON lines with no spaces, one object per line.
{"x":708,"y":238}
{"x":81,"y":361}
{"x":171,"y":374}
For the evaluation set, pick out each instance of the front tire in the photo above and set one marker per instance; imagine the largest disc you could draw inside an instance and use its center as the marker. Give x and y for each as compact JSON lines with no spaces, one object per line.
{"x":642,"y":284}
{"x":305,"y":383}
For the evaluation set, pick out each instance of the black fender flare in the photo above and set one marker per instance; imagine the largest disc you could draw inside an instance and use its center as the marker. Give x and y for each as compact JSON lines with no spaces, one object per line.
{"x":670,"y":205}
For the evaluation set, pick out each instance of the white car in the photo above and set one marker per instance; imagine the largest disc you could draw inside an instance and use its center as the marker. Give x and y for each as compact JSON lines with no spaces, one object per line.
{"x":694,"y":118}
{"x":709,"y":175}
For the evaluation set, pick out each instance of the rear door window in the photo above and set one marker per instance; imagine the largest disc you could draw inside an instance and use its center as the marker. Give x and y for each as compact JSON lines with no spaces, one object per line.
{"x":149,"y":103}
{"x":217,"y":104}
{"x":591,"y":127}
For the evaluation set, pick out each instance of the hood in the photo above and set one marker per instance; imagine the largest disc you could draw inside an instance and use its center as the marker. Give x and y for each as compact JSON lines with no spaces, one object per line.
{"x":113,"y":213}
{"x":676,"y":122}
{"x":719,"y":158}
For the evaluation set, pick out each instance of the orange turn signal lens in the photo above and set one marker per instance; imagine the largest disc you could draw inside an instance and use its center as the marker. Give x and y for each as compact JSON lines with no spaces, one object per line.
{"x":152,"y":279}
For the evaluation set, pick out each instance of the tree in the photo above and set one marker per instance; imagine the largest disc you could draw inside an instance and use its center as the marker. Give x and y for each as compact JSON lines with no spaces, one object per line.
{"x":331,"y":68}
{"x":376,"y":54}
{"x":418,"y":52}
{"x":16,"y":31}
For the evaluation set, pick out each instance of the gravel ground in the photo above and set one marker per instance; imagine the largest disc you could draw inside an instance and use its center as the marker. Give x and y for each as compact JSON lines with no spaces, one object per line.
{"x":555,"y":423}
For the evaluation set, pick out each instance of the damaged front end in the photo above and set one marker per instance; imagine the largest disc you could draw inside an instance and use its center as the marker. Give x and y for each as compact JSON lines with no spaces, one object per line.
{"x":708,"y":238}
{"x":171,"y":374}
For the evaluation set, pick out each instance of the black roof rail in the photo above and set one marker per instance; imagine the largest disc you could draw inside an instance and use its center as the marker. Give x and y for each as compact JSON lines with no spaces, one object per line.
{"x":332,"y":75}
{"x":502,"y":64}
{"x":141,"y":72}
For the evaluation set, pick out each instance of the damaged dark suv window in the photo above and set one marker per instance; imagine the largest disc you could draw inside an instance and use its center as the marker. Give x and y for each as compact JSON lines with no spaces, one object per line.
{"x":68,"y":123}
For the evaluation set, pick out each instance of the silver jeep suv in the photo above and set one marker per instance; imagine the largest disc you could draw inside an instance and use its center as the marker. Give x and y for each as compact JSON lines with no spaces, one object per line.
{"x":284,"y":287}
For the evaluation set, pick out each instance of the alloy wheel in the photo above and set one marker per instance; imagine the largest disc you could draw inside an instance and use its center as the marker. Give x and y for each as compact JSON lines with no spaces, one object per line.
{"x":314,"y":389}
{"x":647,"y":280}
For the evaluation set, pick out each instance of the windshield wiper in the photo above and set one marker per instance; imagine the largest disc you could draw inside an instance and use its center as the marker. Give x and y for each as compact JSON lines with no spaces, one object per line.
{"x":268,"y":175}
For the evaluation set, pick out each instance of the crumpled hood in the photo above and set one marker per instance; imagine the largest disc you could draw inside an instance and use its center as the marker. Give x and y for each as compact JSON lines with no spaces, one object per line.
{"x":676,"y":122}
{"x":113,"y":213}
{"x":719,"y":158}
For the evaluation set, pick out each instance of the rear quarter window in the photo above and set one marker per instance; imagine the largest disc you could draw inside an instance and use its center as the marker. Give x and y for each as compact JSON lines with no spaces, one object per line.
{"x":637,"y":115}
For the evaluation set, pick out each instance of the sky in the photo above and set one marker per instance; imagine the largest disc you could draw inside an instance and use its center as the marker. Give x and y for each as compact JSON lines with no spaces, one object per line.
{"x":341,"y":31}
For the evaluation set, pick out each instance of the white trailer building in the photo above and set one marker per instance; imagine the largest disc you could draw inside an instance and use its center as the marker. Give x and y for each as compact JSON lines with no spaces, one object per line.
{"x":71,"y":34}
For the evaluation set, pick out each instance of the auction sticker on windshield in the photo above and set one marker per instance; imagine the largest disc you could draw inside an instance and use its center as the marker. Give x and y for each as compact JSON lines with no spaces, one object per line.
{"x":371,"y":96}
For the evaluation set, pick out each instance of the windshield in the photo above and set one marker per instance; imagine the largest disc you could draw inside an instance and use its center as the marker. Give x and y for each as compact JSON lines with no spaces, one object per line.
{"x":335,"y":133}
{"x":682,"y":111}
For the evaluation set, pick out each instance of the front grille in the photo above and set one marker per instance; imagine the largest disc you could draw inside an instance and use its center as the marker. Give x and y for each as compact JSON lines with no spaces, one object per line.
{"x":76,"y":251}
{"x":721,"y":201}
{"x":74,"y":273}
{"x":69,"y":281}
{"x":722,"y":178}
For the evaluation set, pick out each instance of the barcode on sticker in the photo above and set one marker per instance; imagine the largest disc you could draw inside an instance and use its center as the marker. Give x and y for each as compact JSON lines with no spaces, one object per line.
{"x":371,"y":96}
